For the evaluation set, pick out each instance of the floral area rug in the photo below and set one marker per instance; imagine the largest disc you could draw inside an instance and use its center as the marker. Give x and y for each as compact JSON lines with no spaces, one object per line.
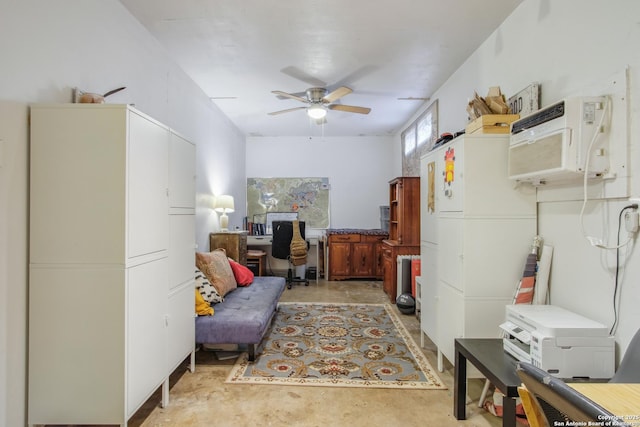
{"x":344,"y":345}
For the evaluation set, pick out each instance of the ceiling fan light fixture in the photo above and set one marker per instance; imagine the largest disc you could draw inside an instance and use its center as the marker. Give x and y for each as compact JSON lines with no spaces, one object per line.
{"x":316,"y":111}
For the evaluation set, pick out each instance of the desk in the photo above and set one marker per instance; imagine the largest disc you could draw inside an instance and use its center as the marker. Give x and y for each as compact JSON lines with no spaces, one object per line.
{"x":262,"y":241}
{"x":620,"y":399}
{"x":489,"y":357}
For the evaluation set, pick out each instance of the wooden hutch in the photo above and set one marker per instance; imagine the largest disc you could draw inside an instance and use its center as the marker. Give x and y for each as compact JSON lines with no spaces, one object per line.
{"x":404,"y":228}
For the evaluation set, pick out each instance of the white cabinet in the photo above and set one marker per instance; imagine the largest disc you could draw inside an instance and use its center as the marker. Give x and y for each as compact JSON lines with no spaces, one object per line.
{"x":479,"y":229}
{"x":111,"y":310}
{"x":429,"y":244}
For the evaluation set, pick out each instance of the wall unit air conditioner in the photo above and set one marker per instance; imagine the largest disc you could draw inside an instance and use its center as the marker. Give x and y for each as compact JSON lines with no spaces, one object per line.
{"x":552,"y":144}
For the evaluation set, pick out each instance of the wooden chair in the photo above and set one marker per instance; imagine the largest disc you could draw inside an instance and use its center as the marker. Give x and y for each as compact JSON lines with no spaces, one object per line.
{"x":557,"y":401}
{"x":532,"y":410}
{"x":257,"y":257}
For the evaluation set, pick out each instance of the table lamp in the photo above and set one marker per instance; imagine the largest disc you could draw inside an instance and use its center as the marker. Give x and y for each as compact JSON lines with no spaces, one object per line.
{"x":224,"y":204}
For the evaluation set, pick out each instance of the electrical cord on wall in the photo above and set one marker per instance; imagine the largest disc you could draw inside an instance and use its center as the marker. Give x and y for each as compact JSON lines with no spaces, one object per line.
{"x":594,"y":241}
{"x":617,"y":275}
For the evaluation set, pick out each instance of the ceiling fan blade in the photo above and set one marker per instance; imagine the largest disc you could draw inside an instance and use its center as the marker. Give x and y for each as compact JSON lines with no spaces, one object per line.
{"x":286,"y":111}
{"x":337,"y":94}
{"x":350,"y":108}
{"x":299,"y":94}
{"x":288,"y":95}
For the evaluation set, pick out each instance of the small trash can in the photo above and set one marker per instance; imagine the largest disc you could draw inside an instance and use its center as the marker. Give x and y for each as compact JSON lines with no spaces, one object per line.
{"x":312,"y":273}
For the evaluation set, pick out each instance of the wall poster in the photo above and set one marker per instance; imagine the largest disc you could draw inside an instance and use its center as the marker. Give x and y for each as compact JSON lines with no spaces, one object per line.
{"x":309,"y":197}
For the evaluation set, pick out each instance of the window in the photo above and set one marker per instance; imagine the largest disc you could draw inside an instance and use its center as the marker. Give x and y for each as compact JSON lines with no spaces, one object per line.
{"x":409,"y":141}
{"x":418,"y":139}
{"x":425,"y":130}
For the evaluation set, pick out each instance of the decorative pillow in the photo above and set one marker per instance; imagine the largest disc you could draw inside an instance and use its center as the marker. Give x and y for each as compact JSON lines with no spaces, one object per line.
{"x":216,"y":268}
{"x":206,"y":289}
{"x":242,"y":274}
{"x":202,"y":307}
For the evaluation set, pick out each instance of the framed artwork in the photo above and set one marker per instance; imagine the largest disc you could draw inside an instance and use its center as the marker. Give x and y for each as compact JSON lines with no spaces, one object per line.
{"x":418,"y":139}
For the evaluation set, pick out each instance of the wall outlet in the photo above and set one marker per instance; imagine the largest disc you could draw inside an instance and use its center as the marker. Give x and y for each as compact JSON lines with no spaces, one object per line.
{"x":632,"y":221}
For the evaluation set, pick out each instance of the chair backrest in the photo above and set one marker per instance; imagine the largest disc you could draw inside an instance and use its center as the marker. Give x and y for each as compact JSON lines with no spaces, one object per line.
{"x":282,"y":235}
{"x":629,"y":369}
{"x":532,"y":409}
{"x":559,"y":402}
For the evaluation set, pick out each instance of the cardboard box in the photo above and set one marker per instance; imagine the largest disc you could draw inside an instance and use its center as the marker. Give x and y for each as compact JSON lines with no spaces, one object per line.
{"x":491,"y":123}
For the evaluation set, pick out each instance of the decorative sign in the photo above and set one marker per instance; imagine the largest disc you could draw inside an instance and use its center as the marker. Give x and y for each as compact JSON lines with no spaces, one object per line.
{"x":526,"y":101}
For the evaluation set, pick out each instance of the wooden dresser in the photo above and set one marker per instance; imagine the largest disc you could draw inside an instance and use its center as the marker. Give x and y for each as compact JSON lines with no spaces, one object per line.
{"x":404,"y":228}
{"x":234,"y":242}
{"x":355,"y":254}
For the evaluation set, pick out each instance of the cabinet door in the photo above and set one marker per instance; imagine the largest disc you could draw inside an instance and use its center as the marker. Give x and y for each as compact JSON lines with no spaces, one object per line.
{"x":77,"y":184}
{"x":450,"y":167}
{"x":147,"y":181}
{"x":430,"y":182}
{"x":146,"y":331}
{"x":379,"y":264}
{"x":180,"y":326}
{"x":389,"y":271}
{"x":339,"y":259}
{"x":451,"y":317}
{"x":429,"y":291}
{"x":450,"y":252}
{"x":362,"y":259}
{"x":181,"y":249}
{"x":182,"y":179}
{"x":76,"y":345}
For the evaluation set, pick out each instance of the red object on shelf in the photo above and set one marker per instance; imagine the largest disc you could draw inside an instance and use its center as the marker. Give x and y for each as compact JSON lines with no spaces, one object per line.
{"x":415,"y":271}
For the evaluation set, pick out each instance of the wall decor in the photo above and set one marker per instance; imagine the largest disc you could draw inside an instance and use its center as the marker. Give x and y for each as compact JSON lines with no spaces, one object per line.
{"x":309,"y":197}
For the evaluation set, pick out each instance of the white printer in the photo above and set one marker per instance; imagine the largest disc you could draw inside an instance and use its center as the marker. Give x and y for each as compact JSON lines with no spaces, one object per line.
{"x":559,"y":341}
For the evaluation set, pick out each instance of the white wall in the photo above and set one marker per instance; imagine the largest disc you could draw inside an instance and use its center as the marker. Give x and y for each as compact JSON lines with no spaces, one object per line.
{"x":47,"y":48}
{"x":569,"y":47}
{"x":359,"y":170}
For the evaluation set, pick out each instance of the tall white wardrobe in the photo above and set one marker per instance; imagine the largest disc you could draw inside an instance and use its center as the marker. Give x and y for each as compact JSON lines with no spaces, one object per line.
{"x":112,"y":241}
{"x":476,"y":229}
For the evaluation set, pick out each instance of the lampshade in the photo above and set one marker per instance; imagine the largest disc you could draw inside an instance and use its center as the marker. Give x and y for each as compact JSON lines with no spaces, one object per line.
{"x":223,"y":204}
{"x":316,"y":111}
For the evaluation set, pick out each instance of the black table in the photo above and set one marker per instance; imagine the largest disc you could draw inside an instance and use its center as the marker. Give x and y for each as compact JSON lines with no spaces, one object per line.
{"x":489,"y":357}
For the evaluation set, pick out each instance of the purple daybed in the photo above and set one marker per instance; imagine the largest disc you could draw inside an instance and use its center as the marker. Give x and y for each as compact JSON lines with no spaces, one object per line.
{"x":244,"y":316}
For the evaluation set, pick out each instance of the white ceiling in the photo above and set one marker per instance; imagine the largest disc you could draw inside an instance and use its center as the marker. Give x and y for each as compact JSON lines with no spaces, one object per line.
{"x":238,"y":51}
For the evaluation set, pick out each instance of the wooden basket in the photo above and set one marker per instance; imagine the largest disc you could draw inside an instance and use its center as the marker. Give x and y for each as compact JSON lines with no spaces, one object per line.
{"x":492,"y":123}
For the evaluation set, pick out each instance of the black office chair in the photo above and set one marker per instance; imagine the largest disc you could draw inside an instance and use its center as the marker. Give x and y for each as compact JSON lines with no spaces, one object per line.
{"x":280,"y":247}
{"x":558,"y":402}
{"x":629,"y":369}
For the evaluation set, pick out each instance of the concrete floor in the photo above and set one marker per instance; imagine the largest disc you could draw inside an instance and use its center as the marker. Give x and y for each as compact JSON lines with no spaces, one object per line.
{"x":203,"y":398}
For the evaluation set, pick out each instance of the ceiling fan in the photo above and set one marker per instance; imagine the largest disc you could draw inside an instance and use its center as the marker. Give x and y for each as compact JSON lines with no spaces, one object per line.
{"x":320,"y":100}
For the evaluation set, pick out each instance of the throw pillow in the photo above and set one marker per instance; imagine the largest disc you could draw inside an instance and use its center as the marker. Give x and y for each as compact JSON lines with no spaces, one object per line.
{"x":206,"y":289}
{"x":215,"y":266}
{"x":202,"y":307}
{"x":242,"y":274}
